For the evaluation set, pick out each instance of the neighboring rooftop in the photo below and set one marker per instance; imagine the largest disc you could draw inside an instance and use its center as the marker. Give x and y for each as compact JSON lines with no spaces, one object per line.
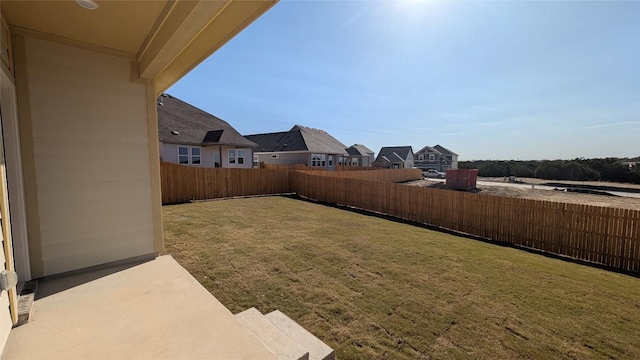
{"x":428,"y":149}
{"x":395,"y":153}
{"x":299,"y":138}
{"x":444,"y":151}
{"x":181,"y":123}
{"x":359,"y":149}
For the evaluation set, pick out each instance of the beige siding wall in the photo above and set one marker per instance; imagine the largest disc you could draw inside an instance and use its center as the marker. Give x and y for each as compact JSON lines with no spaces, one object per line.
{"x":91,"y":154}
{"x":169,"y":153}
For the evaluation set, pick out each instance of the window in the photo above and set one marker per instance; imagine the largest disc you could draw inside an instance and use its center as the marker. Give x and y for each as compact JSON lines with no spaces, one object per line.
{"x":240,"y":157}
{"x":237,"y":156}
{"x":431,"y":157}
{"x":354,"y":161}
{"x":195,"y":155}
{"x":183,"y":155}
{"x":232,"y":157}
{"x":216,"y":160}
{"x":189,"y":155}
{"x":318,"y":160}
{"x":340,"y":160}
{"x":330,"y":160}
{"x":420,"y":157}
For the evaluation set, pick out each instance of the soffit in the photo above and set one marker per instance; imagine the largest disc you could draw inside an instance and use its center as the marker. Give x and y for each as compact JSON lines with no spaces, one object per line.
{"x":119,"y":25}
{"x":166,"y":39}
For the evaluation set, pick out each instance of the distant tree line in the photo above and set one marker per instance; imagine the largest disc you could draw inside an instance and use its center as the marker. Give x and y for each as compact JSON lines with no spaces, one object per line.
{"x":607,"y":169}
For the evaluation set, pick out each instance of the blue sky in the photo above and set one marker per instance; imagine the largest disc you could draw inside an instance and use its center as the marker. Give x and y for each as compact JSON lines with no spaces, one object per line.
{"x":486,"y":79}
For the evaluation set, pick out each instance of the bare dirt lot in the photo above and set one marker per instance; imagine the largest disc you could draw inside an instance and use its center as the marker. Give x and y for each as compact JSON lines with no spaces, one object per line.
{"x":543,"y":181}
{"x":548,"y":195}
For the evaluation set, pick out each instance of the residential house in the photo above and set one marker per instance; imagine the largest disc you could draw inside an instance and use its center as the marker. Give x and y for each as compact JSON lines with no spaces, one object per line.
{"x":190,"y":136}
{"x":437,"y":157}
{"x":366,"y":155}
{"x":428,"y":158}
{"x":80,"y":178}
{"x":450,"y":157}
{"x":304,"y":145}
{"x":395,"y":157}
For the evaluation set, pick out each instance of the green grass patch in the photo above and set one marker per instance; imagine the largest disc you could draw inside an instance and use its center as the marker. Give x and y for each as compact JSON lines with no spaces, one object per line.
{"x":373,"y":288}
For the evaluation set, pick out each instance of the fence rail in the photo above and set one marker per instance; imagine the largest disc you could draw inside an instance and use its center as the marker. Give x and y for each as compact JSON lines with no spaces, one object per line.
{"x":607,"y":236}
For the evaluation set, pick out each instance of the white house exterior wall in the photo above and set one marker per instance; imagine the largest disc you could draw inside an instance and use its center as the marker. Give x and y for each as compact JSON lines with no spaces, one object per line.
{"x":454,"y":162}
{"x":367,"y":160}
{"x":169,"y":153}
{"x":293,"y":158}
{"x":248,"y":157}
{"x":92,"y":157}
{"x":409,"y":161}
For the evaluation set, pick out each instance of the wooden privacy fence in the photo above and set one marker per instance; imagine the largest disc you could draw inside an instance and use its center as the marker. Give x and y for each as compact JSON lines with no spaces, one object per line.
{"x":186,"y":183}
{"x":382,"y":175}
{"x":607,"y":236}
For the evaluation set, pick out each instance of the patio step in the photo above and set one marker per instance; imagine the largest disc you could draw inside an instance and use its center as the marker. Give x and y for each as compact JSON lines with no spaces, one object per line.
{"x":275,"y":340}
{"x":318,"y":350}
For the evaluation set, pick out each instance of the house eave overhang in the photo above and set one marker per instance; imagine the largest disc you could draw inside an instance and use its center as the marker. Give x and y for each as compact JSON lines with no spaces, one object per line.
{"x":304,"y":152}
{"x":207,"y":144}
{"x":191,"y":32}
{"x":164,"y":39}
{"x":282,"y":151}
{"x":229,"y":144}
{"x":181,"y":143}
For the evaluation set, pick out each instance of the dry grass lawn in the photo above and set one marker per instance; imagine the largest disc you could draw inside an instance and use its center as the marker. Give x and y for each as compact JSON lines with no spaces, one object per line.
{"x":372,"y":288}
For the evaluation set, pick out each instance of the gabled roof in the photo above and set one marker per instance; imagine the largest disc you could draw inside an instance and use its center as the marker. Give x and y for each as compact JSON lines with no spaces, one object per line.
{"x":428,"y":149}
{"x":395,"y":153}
{"x":299,"y":138}
{"x":278,"y":141}
{"x":359,"y":149}
{"x":181,"y":123}
{"x":380,"y":159}
{"x":444,"y":150}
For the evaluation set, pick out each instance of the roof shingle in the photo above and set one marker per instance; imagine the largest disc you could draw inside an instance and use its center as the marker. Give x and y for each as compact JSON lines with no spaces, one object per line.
{"x":391,"y":153}
{"x":299,"y":138}
{"x":444,"y":151}
{"x":181,"y":123}
{"x":359,"y":149}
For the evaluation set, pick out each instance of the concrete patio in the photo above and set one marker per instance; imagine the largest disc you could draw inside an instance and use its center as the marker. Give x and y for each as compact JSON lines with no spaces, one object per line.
{"x":150,"y":310}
